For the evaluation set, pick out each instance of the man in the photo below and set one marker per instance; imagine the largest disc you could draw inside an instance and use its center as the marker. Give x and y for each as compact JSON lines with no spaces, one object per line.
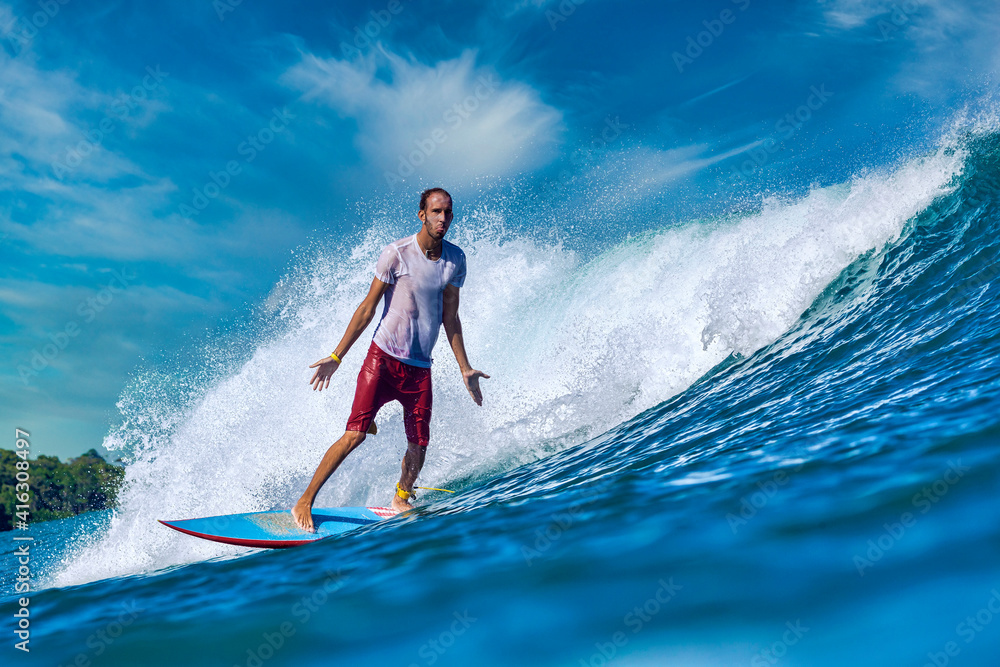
{"x":420,"y":276}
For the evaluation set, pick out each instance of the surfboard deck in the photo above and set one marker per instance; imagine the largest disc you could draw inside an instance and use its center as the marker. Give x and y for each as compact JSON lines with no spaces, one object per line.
{"x":277,"y":530}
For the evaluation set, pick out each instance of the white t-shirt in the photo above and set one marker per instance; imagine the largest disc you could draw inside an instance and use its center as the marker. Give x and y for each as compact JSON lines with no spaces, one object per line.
{"x":414,"y":302}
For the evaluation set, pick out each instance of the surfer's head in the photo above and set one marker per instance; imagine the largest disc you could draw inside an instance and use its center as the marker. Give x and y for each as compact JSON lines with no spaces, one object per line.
{"x":435,"y":212}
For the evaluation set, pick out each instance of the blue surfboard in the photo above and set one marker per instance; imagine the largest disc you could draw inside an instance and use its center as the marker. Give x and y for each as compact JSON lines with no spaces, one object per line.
{"x":277,"y":530}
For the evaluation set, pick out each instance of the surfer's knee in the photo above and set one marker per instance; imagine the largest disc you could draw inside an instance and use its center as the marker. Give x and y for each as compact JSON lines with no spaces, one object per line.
{"x":355,"y":438}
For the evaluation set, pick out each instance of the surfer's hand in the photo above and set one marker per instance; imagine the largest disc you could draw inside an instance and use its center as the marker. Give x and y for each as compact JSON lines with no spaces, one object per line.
{"x":471,"y":378}
{"x":325,"y":369}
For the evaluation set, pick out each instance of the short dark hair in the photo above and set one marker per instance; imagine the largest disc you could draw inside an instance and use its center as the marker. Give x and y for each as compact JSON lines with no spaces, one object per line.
{"x":427,"y":193}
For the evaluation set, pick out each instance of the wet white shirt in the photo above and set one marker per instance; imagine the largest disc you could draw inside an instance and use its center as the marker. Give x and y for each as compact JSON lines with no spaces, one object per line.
{"x":414,"y":302}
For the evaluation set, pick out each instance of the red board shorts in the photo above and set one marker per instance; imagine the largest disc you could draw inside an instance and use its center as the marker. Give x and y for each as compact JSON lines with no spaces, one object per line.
{"x":384,"y":378}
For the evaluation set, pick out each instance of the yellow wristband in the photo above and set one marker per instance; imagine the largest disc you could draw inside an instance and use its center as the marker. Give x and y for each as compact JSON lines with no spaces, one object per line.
{"x":335,"y":357}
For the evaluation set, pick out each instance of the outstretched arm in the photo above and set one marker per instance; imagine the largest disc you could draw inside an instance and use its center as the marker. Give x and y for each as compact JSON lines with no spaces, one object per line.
{"x":362,"y":318}
{"x":453,"y":330}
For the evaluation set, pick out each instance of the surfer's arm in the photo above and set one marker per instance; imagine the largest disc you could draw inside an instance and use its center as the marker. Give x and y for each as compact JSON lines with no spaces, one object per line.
{"x":326,"y":366}
{"x":453,"y":330}
{"x":362,"y":317}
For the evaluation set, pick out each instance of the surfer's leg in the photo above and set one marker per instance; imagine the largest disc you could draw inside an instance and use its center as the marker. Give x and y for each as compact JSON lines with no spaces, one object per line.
{"x":413,"y":461}
{"x":370,"y":395}
{"x":334,"y":456}
{"x":416,"y":399}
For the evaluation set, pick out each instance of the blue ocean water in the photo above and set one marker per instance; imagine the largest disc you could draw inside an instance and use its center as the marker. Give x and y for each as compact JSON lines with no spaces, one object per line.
{"x":769,"y":437}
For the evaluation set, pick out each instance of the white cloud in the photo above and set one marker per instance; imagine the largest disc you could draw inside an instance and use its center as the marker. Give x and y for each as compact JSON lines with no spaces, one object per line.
{"x":928,"y":23}
{"x":508,"y":8}
{"x":452,"y":120}
{"x":42,"y":113}
{"x":952,"y":44}
{"x":630,"y":174}
{"x":850,"y":14}
{"x":75,"y":213}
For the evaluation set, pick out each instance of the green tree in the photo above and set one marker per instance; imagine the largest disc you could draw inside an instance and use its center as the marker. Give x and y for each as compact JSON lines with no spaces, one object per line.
{"x":59,"y":490}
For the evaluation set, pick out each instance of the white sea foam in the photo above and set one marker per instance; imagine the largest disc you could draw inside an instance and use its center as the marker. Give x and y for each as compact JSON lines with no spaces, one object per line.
{"x":573,"y":347}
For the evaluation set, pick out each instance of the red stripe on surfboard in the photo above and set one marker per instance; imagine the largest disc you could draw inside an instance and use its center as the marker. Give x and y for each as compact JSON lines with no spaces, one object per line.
{"x":384,"y":512}
{"x":259,"y":544}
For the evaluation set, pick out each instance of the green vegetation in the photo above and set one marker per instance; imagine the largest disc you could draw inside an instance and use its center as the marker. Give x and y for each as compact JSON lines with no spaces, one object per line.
{"x":58,"y":490}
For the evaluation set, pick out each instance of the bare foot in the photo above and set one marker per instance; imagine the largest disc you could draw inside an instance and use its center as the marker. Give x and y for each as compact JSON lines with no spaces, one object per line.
{"x":399,"y":504}
{"x":302,"y":513}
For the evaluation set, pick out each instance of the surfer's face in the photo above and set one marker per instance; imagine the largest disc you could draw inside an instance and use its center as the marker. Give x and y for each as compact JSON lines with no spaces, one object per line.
{"x":437,"y":215}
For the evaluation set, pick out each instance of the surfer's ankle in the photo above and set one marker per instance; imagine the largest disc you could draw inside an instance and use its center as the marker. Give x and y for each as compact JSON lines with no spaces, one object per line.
{"x":401,"y":499}
{"x":400,"y":505}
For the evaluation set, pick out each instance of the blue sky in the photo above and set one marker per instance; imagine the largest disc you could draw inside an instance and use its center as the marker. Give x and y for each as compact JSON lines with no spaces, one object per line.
{"x":161,"y":162}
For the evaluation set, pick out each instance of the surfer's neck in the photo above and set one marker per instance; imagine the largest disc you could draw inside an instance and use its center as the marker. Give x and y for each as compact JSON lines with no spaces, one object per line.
{"x":430,"y":246}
